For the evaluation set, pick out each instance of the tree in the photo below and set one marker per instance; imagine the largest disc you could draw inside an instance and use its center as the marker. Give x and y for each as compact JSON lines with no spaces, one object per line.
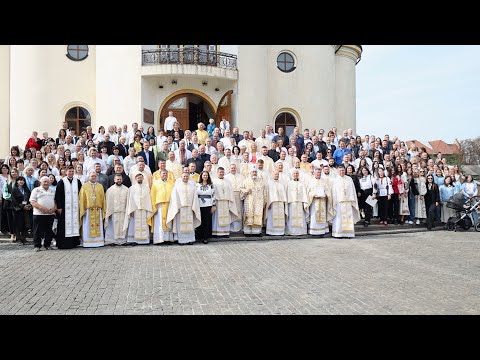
{"x":470,"y":150}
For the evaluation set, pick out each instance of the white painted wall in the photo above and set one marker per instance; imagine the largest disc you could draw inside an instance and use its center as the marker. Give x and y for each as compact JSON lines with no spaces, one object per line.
{"x":5,"y":101}
{"x":229,"y":49}
{"x":252,"y":110}
{"x":345,"y":93}
{"x":309,"y":89}
{"x":118,"y":85}
{"x":264,"y":89}
{"x":44,"y":83}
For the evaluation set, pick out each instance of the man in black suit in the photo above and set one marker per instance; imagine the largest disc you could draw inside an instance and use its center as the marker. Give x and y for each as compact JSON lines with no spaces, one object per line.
{"x":236,"y":135}
{"x":107,"y":143}
{"x":148,"y":156}
{"x":202,"y":153}
{"x":119,"y":170}
{"x":196,"y":160}
{"x":122,"y":147}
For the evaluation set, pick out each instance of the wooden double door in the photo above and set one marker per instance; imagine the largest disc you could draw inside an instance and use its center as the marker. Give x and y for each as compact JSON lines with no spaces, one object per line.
{"x":189,"y":114}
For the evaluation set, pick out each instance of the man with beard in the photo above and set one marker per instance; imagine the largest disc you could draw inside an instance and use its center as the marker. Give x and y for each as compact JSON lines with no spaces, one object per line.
{"x":66,"y":199}
{"x":115,"y":205}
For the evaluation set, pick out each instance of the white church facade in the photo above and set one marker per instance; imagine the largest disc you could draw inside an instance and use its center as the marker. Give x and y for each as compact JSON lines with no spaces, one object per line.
{"x":282,"y":85}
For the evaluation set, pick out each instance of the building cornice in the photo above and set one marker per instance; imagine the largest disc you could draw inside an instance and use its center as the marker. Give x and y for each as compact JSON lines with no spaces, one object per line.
{"x":353,"y":52}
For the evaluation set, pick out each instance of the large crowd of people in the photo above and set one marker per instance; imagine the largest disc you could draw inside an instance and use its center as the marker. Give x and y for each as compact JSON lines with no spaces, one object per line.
{"x":119,"y":186}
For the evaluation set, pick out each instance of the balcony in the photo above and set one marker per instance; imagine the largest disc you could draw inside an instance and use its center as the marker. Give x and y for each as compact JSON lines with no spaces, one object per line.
{"x":189,"y":61}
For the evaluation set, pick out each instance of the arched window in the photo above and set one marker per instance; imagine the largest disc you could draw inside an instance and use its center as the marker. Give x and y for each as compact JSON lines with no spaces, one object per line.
{"x":287,"y":121}
{"x":78,"y":118}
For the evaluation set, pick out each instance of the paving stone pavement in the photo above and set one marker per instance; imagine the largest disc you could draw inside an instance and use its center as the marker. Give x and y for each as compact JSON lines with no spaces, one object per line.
{"x":422,"y":273}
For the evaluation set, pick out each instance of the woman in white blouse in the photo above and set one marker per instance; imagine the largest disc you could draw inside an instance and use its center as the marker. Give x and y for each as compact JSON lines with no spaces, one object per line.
{"x":206,"y":198}
{"x":129,"y":161}
{"x":367,"y":182}
{"x":382,"y":191}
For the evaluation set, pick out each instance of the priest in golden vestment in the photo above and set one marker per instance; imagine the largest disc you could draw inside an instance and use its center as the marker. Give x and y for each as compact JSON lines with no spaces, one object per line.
{"x":320,"y":197}
{"x":184,"y":211}
{"x":277,"y":210}
{"x":138,"y":210}
{"x":162,"y":165}
{"x":344,"y":211}
{"x":92,"y":204}
{"x":298,"y":205}
{"x":236,"y":180}
{"x":225,"y":203}
{"x":160,"y":196}
{"x":116,"y":203}
{"x":254,"y":195}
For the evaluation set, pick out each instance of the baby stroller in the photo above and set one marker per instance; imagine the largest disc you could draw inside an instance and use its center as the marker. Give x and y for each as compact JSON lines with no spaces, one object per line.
{"x":464,"y":210}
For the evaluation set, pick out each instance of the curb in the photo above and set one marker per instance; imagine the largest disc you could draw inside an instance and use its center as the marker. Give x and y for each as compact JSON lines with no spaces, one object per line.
{"x":359,"y":232}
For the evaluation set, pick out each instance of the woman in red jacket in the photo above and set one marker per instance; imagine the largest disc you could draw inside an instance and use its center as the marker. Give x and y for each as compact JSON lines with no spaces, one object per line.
{"x":33,"y":142}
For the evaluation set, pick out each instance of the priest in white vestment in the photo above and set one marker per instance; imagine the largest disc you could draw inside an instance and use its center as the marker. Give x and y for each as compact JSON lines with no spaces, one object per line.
{"x":320,"y":197}
{"x":283,"y":177}
{"x":116,"y":203}
{"x":298,"y":205}
{"x":236,"y":180}
{"x":184,"y":211}
{"x":160,"y":195}
{"x":142,"y":169}
{"x":173,"y":165}
{"x":268,"y":163}
{"x":344,"y":210}
{"x":226,"y":209}
{"x":138,"y":211}
{"x":277,"y":209}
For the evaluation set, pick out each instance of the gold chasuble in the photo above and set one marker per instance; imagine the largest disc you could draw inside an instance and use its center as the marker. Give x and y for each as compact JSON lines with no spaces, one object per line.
{"x":254,"y":194}
{"x":92,"y":197}
{"x":170,"y":177}
{"x":160,"y":194}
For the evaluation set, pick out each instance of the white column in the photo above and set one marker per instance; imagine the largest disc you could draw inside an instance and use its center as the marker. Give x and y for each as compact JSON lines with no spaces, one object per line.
{"x":345,"y":87}
{"x":118,"y":85}
{"x":251,"y":99}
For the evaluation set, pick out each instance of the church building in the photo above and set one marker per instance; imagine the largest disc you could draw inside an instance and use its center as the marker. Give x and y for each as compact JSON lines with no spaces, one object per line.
{"x":251,"y":85}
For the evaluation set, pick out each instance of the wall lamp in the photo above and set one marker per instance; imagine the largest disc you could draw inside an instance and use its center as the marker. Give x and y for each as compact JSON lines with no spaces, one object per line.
{"x":204,"y":82}
{"x":217,"y":89}
{"x":174,"y":82}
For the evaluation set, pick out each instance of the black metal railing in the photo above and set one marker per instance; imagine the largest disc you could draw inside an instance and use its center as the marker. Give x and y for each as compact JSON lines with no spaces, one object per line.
{"x":193,"y":56}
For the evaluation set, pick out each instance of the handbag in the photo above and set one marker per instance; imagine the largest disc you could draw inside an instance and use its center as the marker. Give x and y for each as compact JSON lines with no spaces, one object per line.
{"x":401,"y":188}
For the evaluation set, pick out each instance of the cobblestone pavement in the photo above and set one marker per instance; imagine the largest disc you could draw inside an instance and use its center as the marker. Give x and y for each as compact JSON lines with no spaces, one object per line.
{"x":421,"y":273}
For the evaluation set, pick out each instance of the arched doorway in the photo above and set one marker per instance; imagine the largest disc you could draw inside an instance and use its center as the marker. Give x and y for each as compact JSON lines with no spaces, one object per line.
{"x":287,"y":120}
{"x":189,"y":109}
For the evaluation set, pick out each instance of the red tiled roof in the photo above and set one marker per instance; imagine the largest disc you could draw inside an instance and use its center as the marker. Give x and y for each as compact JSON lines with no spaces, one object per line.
{"x":443,"y":147}
{"x":419,"y":145}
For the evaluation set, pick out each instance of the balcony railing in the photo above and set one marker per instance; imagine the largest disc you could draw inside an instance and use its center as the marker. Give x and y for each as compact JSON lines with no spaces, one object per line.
{"x":191,"y":56}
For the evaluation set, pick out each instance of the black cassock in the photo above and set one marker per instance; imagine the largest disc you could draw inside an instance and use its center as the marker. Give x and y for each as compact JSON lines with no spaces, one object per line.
{"x":62,"y":241}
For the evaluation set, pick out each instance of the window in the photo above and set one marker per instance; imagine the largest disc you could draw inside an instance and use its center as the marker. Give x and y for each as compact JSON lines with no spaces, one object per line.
{"x":78,"y":118}
{"x":287,"y":121}
{"x":77,"y":52}
{"x":285,"y":62}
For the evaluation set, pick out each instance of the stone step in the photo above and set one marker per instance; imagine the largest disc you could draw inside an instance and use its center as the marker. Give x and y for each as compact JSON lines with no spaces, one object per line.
{"x":360,"y":230}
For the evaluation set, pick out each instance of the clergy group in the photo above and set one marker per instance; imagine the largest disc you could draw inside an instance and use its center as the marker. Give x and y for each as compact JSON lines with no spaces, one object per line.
{"x":168,"y":207}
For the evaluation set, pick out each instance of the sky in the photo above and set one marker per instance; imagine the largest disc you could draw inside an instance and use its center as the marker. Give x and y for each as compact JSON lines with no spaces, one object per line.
{"x":421,"y":92}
